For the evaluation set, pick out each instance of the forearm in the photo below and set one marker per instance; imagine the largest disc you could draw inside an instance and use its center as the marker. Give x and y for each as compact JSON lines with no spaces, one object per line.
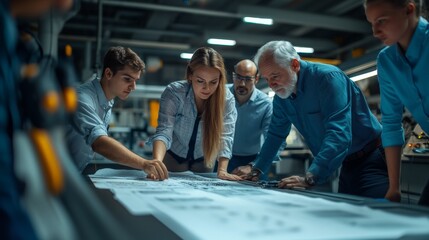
{"x":222,"y":164}
{"x":159,"y":150}
{"x":393,"y":161}
{"x":268,"y":151}
{"x":115,"y":151}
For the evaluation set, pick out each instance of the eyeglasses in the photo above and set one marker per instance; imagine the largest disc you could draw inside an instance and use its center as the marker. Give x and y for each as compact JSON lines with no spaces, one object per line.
{"x":238,"y":77}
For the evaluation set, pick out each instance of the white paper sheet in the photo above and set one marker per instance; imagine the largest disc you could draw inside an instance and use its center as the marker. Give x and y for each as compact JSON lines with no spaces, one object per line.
{"x":205,"y":208}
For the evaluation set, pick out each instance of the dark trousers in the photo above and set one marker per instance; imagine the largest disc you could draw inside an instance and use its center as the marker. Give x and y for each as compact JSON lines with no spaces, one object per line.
{"x":175,"y":163}
{"x":424,"y":198}
{"x":366,"y":176}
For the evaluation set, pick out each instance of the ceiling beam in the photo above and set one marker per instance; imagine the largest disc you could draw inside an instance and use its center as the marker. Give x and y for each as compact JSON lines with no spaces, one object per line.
{"x":257,"y":40}
{"x":129,"y":42}
{"x":170,"y":8}
{"x":360,"y":43}
{"x":122,"y":29}
{"x":160,"y":20}
{"x":335,"y":10}
{"x":306,"y":19}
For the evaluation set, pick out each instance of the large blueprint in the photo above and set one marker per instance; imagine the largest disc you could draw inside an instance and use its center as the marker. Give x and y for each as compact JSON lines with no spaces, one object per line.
{"x":196,"y":207}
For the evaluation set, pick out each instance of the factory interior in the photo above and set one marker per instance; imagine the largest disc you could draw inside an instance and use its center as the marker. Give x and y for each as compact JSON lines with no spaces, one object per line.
{"x":108,"y":200}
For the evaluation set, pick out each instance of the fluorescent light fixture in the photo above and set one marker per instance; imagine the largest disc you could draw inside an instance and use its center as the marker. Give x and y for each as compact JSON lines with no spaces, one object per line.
{"x":364,"y":76}
{"x":264,"y":21}
{"x":186,"y":55}
{"x":304,"y":49}
{"x":271,"y":94}
{"x":225,"y":42}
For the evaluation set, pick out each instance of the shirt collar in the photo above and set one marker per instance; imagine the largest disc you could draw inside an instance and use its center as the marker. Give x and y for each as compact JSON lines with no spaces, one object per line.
{"x":301,"y":74}
{"x":190,"y":93}
{"x":252,"y":97}
{"x":414,"y":49}
{"x":102,"y":100}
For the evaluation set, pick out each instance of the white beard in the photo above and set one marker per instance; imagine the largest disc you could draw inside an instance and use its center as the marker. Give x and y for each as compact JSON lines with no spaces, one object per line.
{"x":286,"y":91}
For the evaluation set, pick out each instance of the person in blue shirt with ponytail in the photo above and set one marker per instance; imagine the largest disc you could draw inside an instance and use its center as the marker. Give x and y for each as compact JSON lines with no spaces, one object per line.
{"x":402,"y":74}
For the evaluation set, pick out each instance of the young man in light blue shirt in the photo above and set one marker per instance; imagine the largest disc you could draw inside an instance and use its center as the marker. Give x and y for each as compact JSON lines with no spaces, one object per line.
{"x":254,"y":109}
{"x":87,"y":132}
{"x":331,"y":113}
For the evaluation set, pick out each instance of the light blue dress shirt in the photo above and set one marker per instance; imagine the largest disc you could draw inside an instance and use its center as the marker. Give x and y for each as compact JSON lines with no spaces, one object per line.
{"x":330,"y":112}
{"x":90,"y":121}
{"x":404,"y":81}
{"x":253,"y":119}
{"x":177,"y":116}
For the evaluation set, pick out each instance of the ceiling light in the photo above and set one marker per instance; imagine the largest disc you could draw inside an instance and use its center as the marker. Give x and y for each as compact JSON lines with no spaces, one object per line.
{"x":304,"y":49}
{"x":225,"y":42}
{"x":186,"y":55}
{"x":264,"y":21}
{"x":364,"y":76}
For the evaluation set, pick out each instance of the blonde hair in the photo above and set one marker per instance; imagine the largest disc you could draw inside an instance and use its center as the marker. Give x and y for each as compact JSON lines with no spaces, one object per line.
{"x":420,"y":9}
{"x":215,"y":104}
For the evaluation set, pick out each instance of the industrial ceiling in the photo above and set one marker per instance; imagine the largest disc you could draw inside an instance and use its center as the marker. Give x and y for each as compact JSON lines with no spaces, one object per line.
{"x":160,"y":30}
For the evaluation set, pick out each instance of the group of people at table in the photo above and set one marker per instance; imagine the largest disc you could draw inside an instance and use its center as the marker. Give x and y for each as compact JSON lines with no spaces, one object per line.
{"x":207,"y":125}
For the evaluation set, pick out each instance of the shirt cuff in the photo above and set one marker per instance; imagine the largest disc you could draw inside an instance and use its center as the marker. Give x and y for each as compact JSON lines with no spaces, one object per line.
{"x":96,"y":133}
{"x":318,"y":173}
{"x":393,"y":138}
{"x":166,"y":141}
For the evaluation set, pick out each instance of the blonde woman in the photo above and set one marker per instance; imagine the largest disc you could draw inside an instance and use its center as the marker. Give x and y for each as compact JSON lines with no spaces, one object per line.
{"x":197,"y":118}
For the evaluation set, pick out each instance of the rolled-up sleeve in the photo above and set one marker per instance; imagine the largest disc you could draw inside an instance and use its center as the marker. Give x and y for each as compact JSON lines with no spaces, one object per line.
{"x":169,"y":105}
{"x":86,"y":121}
{"x":391,"y":111}
{"x":229,"y":119}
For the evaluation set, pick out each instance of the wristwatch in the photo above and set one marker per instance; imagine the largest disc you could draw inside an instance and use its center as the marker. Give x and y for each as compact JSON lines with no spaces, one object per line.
{"x":310,"y":179}
{"x":255,"y":173}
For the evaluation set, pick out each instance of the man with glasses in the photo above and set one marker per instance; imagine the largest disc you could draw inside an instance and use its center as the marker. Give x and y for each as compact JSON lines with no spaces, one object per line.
{"x":254,"y":110}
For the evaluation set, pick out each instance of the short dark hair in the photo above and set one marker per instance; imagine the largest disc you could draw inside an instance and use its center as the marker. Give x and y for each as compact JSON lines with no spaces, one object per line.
{"x":117,"y":58}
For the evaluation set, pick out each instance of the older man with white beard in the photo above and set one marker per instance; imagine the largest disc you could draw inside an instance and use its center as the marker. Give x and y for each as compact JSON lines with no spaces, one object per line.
{"x":331,"y":113}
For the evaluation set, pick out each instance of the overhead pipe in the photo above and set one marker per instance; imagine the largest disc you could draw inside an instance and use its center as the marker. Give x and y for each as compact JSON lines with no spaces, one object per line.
{"x":172,"y":9}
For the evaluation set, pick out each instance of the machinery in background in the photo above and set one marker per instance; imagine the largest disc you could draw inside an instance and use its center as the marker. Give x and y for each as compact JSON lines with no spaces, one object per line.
{"x":418,"y":144}
{"x":414,"y":165}
{"x":295,"y":157}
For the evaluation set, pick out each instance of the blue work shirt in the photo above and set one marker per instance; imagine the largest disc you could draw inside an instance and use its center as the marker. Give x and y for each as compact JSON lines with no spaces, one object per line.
{"x":90,"y":121}
{"x":330,"y":112}
{"x":176,"y":119}
{"x":404,"y":81}
{"x":14,"y":222}
{"x":253,"y":119}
